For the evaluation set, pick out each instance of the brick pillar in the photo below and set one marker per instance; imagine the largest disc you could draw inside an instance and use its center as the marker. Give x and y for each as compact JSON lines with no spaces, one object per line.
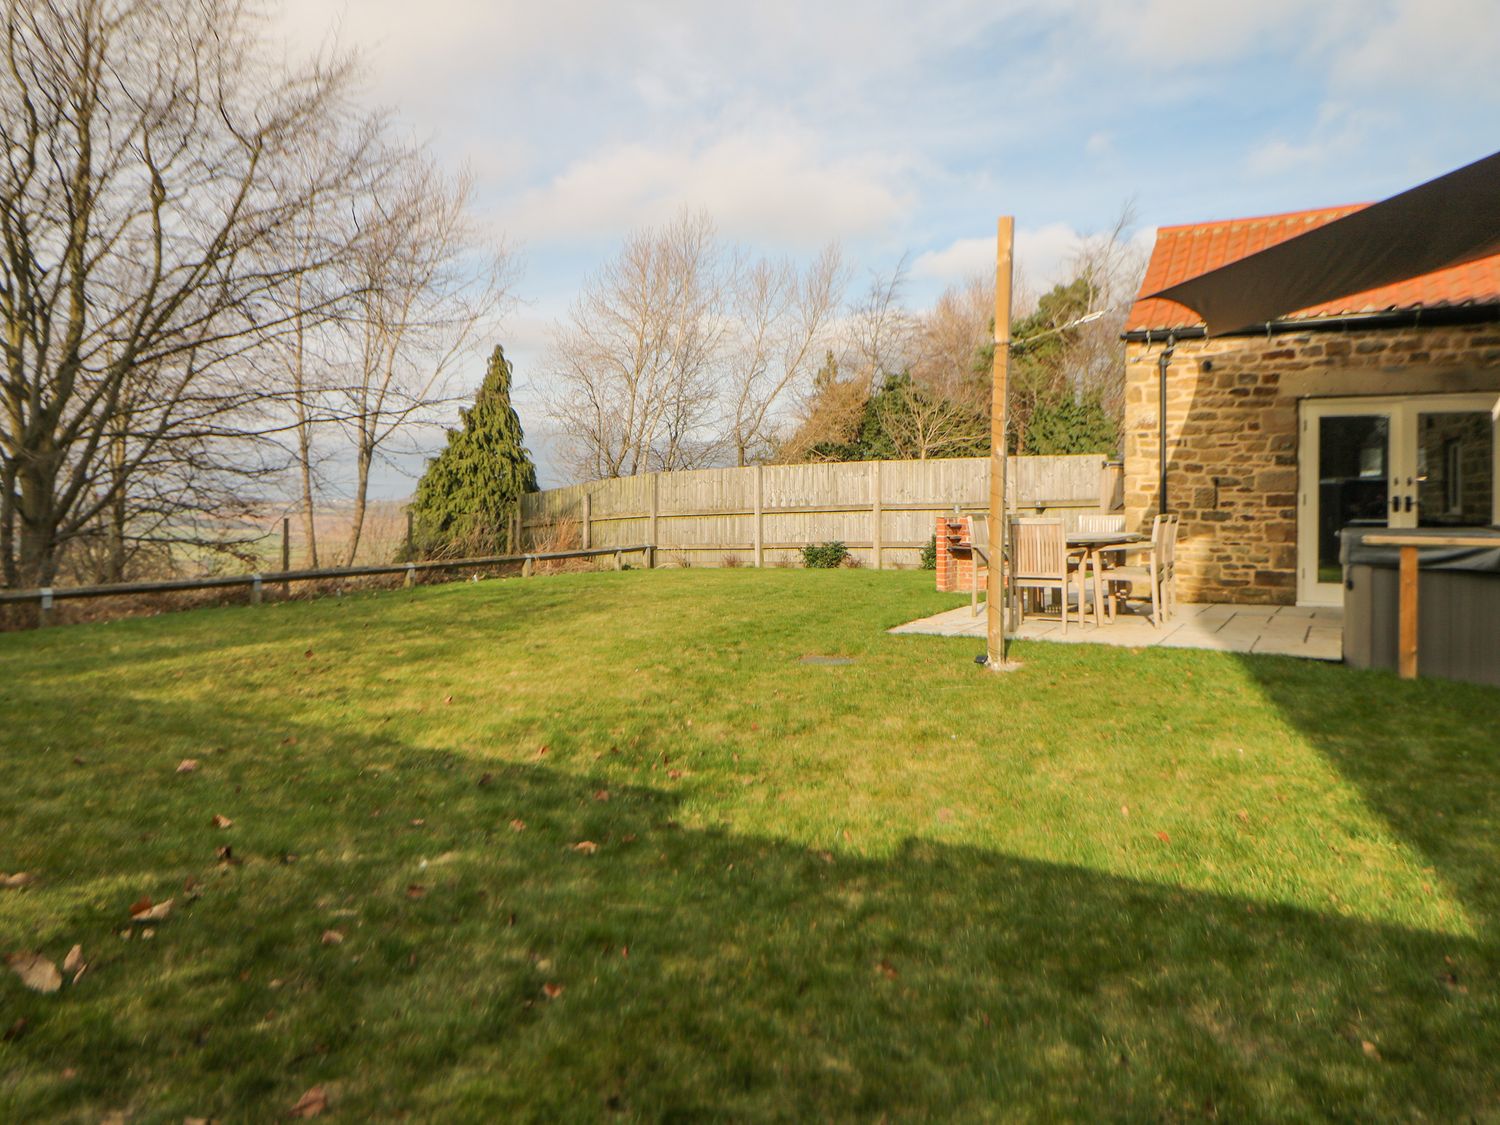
{"x":955,"y":559}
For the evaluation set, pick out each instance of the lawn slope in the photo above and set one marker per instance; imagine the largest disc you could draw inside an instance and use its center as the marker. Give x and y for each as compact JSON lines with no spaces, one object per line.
{"x":604,"y":846}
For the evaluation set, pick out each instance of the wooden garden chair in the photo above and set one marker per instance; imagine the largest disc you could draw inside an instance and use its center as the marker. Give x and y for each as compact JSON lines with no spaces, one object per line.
{"x":1040,"y":561}
{"x":1158,"y":570}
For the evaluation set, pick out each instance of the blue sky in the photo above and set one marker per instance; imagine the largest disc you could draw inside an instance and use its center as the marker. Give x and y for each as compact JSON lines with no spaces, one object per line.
{"x":907,"y":128}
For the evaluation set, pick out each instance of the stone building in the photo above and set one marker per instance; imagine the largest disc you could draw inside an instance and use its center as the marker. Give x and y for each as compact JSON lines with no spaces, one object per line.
{"x":1379,"y":408}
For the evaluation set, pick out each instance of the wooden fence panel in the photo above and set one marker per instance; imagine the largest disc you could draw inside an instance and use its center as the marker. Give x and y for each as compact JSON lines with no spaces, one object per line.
{"x":701,"y":516}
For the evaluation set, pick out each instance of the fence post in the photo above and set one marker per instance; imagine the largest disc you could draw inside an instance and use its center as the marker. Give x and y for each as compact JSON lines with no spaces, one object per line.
{"x":619,"y":560}
{"x":411,"y":576}
{"x":877,"y":516}
{"x":286,"y":553}
{"x":255,"y":590}
{"x":760,"y":504}
{"x":588,"y":516}
{"x":44,"y":607}
{"x":654,"y":513}
{"x":408,"y":535}
{"x":526,"y":567}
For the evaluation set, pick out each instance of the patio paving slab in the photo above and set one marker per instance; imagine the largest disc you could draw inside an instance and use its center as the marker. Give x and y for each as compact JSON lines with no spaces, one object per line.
{"x":1302,"y":631}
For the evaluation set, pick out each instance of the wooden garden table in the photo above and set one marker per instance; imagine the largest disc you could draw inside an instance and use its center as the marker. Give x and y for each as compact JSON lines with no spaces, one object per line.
{"x":1092,"y":545}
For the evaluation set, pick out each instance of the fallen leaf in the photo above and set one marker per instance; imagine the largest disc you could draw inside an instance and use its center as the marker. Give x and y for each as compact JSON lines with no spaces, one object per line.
{"x":73,"y":962}
{"x":826,"y":857}
{"x":887,"y":970}
{"x":418,"y":822}
{"x":197,"y":1121}
{"x":1124,"y":810}
{"x":221,"y":821}
{"x":1244,"y":816}
{"x":310,"y":1104}
{"x":144,"y":911}
{"x":225,"y":854}
{"x":518,"y":826}
{"x":552,"y":991}
{"x":624,"y":951}
{"x":601,"y":794}
{"x":415,"y":891}
{"x":36,"y":972}
{"x":1164,"y":838}
{"x":14,"y":1031}
{"x":1370,"y":1050}
{"x":674,"y":774}
{"x":447,"y":699}
{"x":333,"y":937}
{"x":945,"y":814}
{"x":486,"y":779}
{"x":187,"y":765}
{"x":17,"y":881}
{"x":541,"y":751}
{"x":587,"y":847}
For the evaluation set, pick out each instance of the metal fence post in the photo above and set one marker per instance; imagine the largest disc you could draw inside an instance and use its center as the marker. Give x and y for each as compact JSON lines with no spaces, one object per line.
{"x":411,"y":576}
{"x":255,"y":591}
{"x":44,"y":607}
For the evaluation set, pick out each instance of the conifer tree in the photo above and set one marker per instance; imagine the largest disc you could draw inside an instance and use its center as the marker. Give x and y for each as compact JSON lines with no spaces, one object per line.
{"x":470,"y":491}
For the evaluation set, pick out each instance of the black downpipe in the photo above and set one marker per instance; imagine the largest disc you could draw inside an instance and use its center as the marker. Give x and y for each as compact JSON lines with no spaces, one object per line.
{"x":1161,"y":422}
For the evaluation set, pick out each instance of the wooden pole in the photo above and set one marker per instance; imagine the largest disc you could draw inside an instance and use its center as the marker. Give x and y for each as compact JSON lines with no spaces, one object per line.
{"x":286,"y":553}
{"x":654,"y":516}
{"x":877,"y":516}
{"x":760,"y":503}
{"x":1406,"y":637}
{"x":588,"y":521}
{"x":995,"y":607}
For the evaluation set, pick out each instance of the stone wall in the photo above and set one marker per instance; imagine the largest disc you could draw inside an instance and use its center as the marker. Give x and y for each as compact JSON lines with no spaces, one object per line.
{"x":1232,"y":436}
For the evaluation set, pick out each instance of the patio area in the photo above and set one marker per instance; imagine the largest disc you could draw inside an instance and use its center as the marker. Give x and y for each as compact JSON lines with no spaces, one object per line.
{"x":1313,"y":634}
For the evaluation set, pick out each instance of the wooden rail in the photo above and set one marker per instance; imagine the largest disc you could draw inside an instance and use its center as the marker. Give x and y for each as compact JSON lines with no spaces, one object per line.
{"x":44,"y":597}
{"x":1408,"y":585}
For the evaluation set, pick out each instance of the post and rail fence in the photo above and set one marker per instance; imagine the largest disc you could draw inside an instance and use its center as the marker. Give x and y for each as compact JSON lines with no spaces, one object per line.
{"x":46,"y":598}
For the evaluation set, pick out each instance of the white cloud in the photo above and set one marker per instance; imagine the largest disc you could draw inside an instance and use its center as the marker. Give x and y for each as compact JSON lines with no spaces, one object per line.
{"x":1042,"y":257}
{"x":776,"y":187}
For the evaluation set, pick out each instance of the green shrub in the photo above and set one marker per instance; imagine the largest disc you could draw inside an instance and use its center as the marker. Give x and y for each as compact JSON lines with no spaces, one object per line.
{"x":929,"y":554}
{"x":824,"y":556}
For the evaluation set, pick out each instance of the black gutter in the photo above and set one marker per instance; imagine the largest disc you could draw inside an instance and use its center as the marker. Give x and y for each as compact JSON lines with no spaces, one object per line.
{"x":1444,"y":315}
{"x":1163,"y":362}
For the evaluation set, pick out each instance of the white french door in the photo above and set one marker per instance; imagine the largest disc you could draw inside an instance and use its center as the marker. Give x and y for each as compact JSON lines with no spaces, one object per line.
{"x":1414,"y":461}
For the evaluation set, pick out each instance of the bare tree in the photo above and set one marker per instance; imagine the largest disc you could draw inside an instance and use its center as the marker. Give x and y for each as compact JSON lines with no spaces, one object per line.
{"x":426,"y":285}
{"x":782,"y":320}
{"x":141,"y":206}
{"x":1111,"y":266}
{"x":634,"y":365}
{"x":879,"y":331}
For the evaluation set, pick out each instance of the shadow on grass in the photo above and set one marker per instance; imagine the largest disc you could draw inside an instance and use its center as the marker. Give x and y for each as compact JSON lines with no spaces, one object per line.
{"x":695,"y":972}
{"x":1425,"y":756}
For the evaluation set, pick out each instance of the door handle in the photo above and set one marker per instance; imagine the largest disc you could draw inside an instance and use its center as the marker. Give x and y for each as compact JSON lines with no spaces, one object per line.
{"x":1409,"y":501}
{"x":1395,"y":503}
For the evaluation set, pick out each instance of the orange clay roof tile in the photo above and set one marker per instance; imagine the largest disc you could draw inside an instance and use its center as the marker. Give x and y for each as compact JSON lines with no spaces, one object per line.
{"x":1186,"y":251}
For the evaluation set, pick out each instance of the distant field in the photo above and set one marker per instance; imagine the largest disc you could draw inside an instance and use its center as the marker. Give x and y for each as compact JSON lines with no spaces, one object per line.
{"x":602,"y":846}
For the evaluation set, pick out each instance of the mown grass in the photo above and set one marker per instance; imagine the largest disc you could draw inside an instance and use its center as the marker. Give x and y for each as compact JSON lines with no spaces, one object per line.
{"x":1162,"y":885}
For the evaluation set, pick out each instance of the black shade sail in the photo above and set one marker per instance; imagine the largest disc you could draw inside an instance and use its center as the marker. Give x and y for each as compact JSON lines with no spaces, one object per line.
{"x":1445,"y":222}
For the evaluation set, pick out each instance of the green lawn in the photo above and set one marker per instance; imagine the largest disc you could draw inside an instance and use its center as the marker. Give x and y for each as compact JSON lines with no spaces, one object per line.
{"x":1159,"y":884}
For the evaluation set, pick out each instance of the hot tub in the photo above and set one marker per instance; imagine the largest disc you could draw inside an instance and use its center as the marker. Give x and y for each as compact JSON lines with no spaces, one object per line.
{"x":1458,"y":604}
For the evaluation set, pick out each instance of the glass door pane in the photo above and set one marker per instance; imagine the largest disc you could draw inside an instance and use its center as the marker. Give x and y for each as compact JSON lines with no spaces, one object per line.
{"x":1353,"y":481}
{"x":1455,"y":482}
